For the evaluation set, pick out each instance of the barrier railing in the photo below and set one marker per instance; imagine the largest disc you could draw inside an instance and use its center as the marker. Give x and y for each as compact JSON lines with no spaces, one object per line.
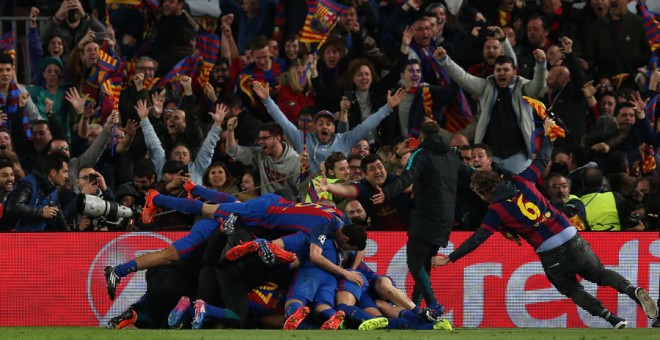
{"x":21,"y":25}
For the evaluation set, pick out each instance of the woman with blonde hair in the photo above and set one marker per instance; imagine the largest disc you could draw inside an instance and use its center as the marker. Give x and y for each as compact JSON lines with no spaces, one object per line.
{"x":294,"y":94}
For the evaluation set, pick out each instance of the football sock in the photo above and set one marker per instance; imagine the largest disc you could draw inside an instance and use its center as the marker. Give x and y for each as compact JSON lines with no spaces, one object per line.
{"x":213,"y":195}
{"x":179,"y":204}
{"x":399,"y":323}
{"x":292,"y":308}
{"x":327,"y":314}
{"x":126,"y":268}
{"x":355,"y":313}
{"x":220,"y":313}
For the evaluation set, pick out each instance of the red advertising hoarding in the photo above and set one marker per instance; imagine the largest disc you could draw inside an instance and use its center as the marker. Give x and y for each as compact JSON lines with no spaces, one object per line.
{"x":56,"y":279}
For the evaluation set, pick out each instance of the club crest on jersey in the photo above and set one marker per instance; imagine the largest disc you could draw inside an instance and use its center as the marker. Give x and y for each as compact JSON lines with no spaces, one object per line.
{"x":322,"y":239}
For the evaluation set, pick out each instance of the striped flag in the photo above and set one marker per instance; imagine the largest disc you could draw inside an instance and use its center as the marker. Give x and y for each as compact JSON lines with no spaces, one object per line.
{"x":112,"y":89}
{"x":155,"y":4}
{"x":322,"y":15}
{"x":649,"y":110}
{"x":555,"y":131}
{"x":648,"y":158}
{"x":208,"y":45}
{"x":186,"y":66}
{"x":537,"y":105}
{"x":651,"y":24}
{"x":7,"y":44}
{"x":312,"y":193}
{"x":245,"y":84}
{"x":618,"y":79}
{"x":107,"y":62}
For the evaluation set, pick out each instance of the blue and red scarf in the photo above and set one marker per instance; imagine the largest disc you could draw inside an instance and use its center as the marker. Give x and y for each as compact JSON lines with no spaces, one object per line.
{"x":12,"y":109}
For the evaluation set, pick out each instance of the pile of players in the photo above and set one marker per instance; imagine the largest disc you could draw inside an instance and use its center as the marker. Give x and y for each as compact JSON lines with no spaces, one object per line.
{"x":265,"y":263}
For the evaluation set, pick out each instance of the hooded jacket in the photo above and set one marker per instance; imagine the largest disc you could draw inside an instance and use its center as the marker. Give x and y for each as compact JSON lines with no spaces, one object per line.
{"x":433,"y":169}
{"x":281,"y":174}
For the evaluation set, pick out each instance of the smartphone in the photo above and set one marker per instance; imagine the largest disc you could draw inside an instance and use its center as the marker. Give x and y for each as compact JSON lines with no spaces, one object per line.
{"x":71,"y":16}
{"x":92,"y":178}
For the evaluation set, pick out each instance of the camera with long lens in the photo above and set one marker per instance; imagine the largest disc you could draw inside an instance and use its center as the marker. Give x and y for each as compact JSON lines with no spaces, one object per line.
{"x":104,"y":213}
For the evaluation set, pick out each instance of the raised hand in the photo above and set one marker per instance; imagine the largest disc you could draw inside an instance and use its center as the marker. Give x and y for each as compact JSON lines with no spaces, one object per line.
{"x":566,"y":45}
{"x":48,"y":105}
{"x":138,"y":80}
{"x":344,"y":105}
{"x":498,"y":32}
{"x":640,"y":104}
{"x":186,"y":82}
{"x":547,"y":124}
{"x":23,"y":99}
{"x":34,"y":13}
{"x":440,"y":54}
{"x":588,"y":89}
{"x":323,"y":182}
{"x":88,"y":37}
{"x":113,"y":119}
{"x":142,"y":109}
{"x":219,"y":114}
{"x":407,"y":36}
{"x":232,"y":123}
{"x":262,"y":91}
{"x":393,"y":100}
{"x":131,"y":128}
{"x":157,"y":99}
{"x":73,"y":97}
{"x":209,"y":91}
{"x":539,"y":55}
{"x":415,"y":4}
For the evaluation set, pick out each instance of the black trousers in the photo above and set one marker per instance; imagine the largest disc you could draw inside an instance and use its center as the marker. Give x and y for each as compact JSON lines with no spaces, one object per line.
{"x":575,"y":257}
{"x":418,"y":258}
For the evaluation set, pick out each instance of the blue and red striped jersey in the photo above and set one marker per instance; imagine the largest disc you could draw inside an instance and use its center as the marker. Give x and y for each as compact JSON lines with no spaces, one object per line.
{"x":527,"y":213}
{"x":271,"y":211}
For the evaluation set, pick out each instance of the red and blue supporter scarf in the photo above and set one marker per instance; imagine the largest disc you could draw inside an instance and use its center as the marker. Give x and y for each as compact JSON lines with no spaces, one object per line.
{"x":11,"y":108}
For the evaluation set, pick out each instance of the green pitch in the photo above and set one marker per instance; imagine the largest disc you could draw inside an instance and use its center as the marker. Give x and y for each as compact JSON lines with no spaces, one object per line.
{"x":481,"y":333}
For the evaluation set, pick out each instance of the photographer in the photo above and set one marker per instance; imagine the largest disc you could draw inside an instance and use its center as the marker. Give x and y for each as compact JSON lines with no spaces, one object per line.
{"x":34,"y":203}
{"x":71,"y":23}
{"x":92,"y":183}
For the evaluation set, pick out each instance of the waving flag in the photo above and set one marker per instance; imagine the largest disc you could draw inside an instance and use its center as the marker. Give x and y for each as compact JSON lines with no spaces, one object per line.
{"x":154,"y":4}
{"x":245,"y":83}
{"x":7,"y":44}
{"x":555,"y":131}
{"x":186,"y":66}
{"x":322,"y":16}
{"x":208,"y":45}
{"x":618,"y":79}
{"x":648,"y":158}
{"x":107,"y":62}
{"x":537,"y":105}
{"x":649,"y":110}
{"x":651,"y":24}
{"x":112,"y":89}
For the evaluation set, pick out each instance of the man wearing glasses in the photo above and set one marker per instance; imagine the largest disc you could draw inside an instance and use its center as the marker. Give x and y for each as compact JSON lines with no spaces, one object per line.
{"x":276,"y":161}
{"x":143,"y":81}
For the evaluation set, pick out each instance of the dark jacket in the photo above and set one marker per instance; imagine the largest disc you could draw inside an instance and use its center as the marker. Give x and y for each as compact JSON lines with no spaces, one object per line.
{"x":434,"y":170}
{"x":25,"y":205}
